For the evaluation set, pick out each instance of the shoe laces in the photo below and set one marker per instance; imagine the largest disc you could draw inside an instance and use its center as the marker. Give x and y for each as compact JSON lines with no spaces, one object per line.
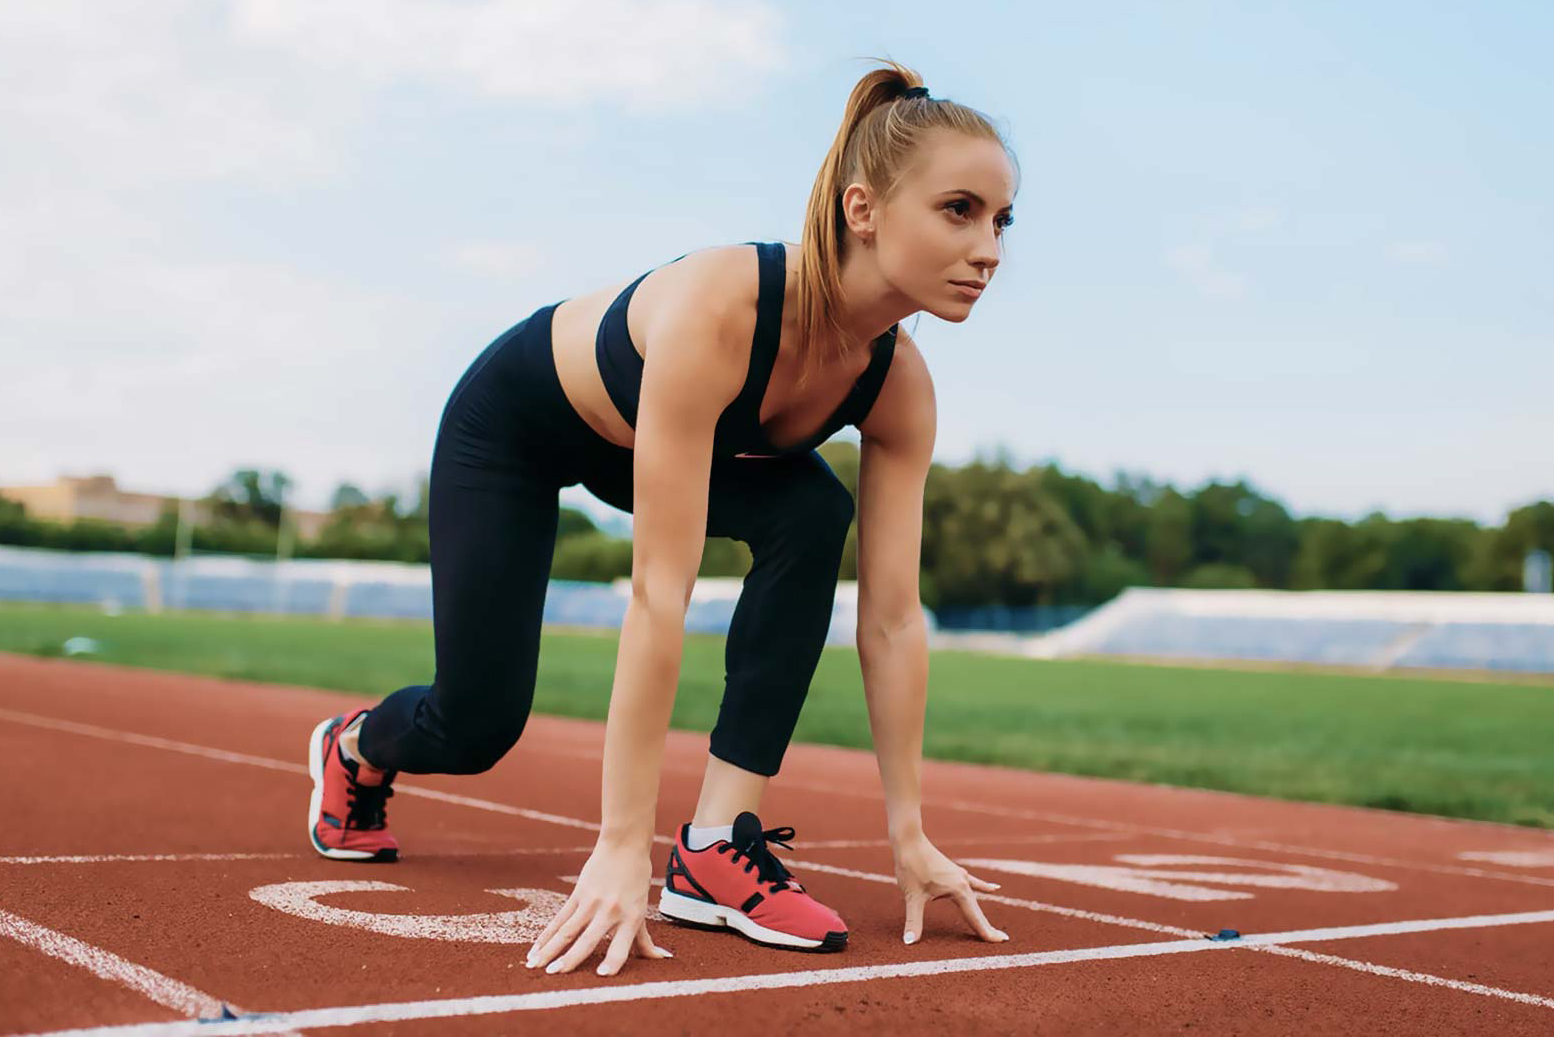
{"x":367,"y":805}
{"x":768,"y":866}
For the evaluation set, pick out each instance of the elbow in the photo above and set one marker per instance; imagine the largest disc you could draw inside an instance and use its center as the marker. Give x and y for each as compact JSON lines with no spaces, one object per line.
{"x":889,"y":630}
{"x":662,"y":603}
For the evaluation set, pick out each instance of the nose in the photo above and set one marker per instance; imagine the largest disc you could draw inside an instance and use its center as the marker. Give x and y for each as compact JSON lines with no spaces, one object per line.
{"x":985,"y":256}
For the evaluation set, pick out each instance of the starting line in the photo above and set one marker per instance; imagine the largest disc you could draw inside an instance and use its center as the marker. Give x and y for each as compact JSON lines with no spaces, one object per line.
{"x":495,"y":1004}
{"x":288,"y":1022}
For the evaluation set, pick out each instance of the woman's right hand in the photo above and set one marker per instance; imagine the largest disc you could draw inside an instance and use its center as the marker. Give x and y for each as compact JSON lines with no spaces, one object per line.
{"x":611,"y":893}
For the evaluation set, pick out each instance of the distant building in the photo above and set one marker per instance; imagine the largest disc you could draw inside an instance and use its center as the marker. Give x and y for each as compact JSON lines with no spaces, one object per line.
{"x":72,"y":497}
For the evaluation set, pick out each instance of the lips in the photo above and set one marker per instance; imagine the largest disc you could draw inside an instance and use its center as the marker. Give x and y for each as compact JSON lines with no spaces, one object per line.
{"x":976,"y":286}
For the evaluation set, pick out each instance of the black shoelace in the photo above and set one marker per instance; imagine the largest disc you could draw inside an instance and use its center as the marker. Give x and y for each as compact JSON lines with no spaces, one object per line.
{"x":769,"y":867}
{"x":367,"y":805}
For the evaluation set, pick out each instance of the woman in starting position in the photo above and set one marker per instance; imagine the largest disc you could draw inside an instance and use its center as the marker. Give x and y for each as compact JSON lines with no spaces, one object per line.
{"x":694,"y":397}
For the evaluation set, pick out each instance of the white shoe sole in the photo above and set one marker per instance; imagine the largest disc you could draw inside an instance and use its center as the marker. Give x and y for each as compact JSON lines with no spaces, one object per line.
{"x":316,"y":801}
{"x":699,"y":912}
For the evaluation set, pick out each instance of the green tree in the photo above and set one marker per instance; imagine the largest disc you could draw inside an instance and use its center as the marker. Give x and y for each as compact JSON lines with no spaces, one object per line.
{"x":347,"y":495}
{"x":1430,"y":555}
{"x":1220,"y":576}
{"x":1497,"y":565}
{"x":1168,"y":546}
{"x":993,"y":536}
{"x":572,"y":522}
{"x":250,"y":494}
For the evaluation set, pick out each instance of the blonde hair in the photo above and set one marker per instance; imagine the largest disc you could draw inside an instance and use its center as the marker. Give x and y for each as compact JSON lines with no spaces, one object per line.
{"x":880,"y":131}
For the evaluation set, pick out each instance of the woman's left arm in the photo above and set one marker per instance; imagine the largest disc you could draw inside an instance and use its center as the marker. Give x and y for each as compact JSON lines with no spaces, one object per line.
{"x":896,"y":453}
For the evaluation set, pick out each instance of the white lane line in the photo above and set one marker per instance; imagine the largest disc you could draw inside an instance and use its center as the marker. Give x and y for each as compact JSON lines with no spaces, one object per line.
{"x":999,"y":898}
{"x":1252,"y":844}
{"x":1030,"y":904}
{"x":980,"y":840}
{"x":502,"y":808}
{"x":113,"y":858}
{"x":116,"y":858}
{"x":356,"y":1015}
{"x":517,"y":851}
{"x":1512,"y":858}
{"x":1418,"y":925}
{"x":1263,"y":944}
{"x":950,"y":804}
{"x":1122,"y":827}
{"x":164,"y":990}
{"x":1410,"y":976}
{"x":150,"y":741}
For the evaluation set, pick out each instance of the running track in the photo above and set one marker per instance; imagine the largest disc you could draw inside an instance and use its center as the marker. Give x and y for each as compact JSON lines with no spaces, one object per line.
{"x":153,"y":861}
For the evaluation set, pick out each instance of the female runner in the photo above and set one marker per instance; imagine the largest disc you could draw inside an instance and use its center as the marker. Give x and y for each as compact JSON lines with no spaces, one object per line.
{"x":694,"y":397}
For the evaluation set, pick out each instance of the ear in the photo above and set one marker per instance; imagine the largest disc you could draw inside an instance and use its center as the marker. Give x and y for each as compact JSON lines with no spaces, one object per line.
{"x":858,"y":211}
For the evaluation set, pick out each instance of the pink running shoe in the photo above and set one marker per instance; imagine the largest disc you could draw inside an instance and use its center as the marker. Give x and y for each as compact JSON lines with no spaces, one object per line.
{"x":347,"y":820}
{"x":739,"y":884}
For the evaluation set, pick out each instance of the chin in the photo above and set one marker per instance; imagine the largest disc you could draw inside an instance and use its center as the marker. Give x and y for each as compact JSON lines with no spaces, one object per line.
{"x":955,"y":315}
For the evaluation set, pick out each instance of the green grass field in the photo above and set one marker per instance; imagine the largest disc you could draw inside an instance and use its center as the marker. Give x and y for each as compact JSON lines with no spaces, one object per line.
{"x":1465,"y":749}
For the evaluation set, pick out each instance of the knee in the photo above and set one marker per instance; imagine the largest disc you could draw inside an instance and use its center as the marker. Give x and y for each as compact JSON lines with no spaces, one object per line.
{"x":827,"y":510}
{"x":479,"y":751}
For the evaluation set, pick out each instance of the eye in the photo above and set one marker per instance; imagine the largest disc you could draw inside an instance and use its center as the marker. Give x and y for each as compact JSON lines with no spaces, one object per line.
{"x":962,"y":207}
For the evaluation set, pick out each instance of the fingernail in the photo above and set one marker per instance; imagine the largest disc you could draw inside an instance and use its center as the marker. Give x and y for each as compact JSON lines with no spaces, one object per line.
{"x":669,"y":954}
{"x":998,"y":885}
{"x":910,"y":938}
{"x":553,"y":966}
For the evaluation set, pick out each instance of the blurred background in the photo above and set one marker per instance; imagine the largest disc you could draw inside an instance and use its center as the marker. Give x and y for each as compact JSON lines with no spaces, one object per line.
{"x":1264,"y":374}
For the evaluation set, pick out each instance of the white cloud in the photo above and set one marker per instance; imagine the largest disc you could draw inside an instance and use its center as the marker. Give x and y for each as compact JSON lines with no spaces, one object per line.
{"x":114,"y":96}
{"x":643,"y":54}
{"x":132,"y":341}
{"x":1418,"y":252}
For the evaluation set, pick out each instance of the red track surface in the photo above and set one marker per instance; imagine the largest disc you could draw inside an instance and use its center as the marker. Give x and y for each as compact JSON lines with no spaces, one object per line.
{"x":104,"y":762}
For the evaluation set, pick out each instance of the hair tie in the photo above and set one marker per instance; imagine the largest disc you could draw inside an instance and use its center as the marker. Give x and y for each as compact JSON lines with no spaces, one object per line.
{"x":916,"y":91}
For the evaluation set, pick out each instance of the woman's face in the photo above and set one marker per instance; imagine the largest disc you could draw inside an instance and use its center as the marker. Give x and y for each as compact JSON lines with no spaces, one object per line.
{"x":946,"y":221}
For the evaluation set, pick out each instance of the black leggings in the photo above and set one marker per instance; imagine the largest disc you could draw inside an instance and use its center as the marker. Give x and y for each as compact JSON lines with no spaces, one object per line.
{"x":508,"y":441}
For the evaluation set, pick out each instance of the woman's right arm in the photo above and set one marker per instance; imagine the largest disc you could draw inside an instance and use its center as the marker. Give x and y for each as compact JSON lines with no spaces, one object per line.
{"x":690,"y":376}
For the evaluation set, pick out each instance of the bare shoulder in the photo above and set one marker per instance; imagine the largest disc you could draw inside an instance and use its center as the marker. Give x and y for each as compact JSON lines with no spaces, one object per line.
{"x":904,"y":416}
{"x":704,"y":305}
{"x":700,"y":321}
{"x":717,"y":284}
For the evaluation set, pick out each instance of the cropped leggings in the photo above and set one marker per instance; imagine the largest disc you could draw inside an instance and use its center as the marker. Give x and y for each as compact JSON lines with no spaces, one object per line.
{"x":508,"y":440}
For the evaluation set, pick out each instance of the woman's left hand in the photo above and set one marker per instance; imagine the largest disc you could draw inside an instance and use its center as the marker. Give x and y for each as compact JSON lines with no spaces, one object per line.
{"x":925,"y":874}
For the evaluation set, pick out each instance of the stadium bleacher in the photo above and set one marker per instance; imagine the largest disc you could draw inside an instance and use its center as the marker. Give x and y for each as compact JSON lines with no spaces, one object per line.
{"x":329,"y":588}
{"x":1373,"y":629}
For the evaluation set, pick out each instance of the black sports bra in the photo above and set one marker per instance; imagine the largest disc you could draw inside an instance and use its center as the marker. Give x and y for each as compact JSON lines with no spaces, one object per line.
{"x":739,"y":427}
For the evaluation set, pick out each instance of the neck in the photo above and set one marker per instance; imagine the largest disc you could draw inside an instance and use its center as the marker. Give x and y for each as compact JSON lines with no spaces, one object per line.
{"x":871,"y":305}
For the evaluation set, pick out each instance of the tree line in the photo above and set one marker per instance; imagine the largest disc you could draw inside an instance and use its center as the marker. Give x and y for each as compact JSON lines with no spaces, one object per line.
{"x":995,"y":536}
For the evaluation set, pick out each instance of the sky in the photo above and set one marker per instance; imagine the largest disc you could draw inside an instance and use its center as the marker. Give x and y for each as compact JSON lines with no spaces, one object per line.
{"x":1309,"y":244}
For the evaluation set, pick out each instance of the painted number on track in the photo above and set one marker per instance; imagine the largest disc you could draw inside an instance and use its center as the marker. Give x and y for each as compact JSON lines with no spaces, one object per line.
{"x":520,"y":926}
{"x":1146,"y":873}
